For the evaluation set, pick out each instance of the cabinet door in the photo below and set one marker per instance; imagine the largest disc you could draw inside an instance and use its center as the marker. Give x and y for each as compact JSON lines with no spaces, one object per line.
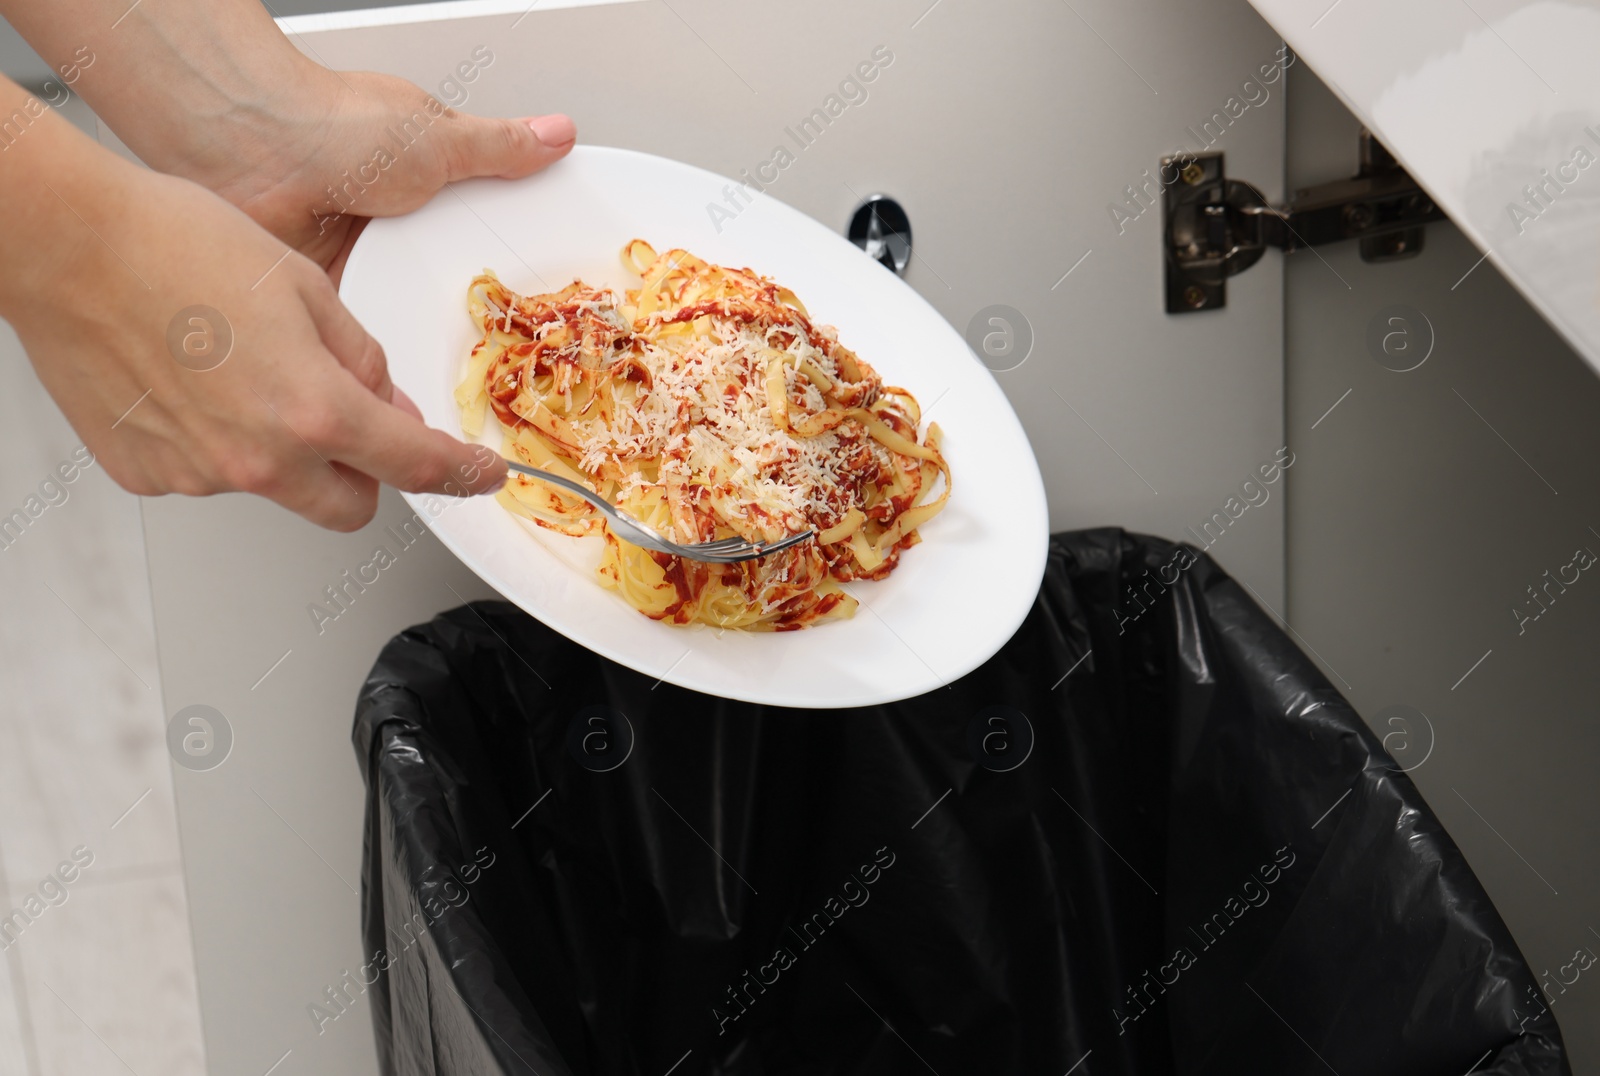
{"x":1442,"y":513}
{"x":1493,"y":109}
{"x":1021,"y":136}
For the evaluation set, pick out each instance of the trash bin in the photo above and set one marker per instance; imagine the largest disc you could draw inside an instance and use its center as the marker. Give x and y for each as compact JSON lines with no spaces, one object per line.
{"x":1146,"y":837}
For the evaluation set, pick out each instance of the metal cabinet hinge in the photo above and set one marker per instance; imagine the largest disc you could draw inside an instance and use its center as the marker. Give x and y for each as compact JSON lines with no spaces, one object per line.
{"x":1214,"y":227}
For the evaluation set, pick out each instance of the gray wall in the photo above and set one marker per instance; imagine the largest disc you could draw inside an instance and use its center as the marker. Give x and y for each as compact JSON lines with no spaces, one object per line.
{"x":1414,"y":529}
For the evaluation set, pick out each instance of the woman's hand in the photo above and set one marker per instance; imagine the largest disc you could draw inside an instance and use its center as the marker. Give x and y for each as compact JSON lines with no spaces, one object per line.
{"x":212,"y":90}
{"x":356,"y":145}
{"x":300,"y":409}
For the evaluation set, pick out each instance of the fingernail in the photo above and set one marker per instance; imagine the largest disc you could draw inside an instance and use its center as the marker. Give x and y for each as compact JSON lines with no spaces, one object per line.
{"x":554,"y":131}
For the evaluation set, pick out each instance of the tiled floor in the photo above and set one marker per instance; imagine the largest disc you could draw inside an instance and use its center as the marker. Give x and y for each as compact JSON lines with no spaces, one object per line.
{"x":100,"y":977}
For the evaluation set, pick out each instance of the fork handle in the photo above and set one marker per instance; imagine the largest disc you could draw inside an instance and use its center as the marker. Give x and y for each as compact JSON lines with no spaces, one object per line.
{"x":631,"y":530}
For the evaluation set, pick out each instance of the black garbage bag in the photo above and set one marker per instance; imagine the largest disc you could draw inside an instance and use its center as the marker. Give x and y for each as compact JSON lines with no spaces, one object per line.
{"x":1146,"y":837}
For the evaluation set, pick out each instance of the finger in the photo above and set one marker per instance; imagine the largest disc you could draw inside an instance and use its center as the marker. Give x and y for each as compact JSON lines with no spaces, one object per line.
{"x":392,"y":443}
{"x":174,"y":470}
{"x":396,"y":447}
{"x":405,"y":403}
{"x":351,"y":344}
{"x":350,"y":514}
{"x":126,"y":471}
{"x":330,"y":495}
{"x":510,"y":149}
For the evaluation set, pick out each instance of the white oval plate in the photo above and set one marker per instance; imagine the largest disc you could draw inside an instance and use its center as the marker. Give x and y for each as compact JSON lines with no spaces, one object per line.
{"x":954,"y":599}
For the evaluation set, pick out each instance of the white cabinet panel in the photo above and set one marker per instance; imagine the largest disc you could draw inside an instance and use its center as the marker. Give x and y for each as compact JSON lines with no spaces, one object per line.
{"x":1494,"y":107}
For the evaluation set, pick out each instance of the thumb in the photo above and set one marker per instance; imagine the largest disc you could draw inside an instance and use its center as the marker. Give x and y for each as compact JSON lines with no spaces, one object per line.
{"x":509,"y":149}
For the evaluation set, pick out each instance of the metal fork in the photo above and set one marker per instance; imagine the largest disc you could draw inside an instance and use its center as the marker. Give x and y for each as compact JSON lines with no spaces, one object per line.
{"x":625,"y":527}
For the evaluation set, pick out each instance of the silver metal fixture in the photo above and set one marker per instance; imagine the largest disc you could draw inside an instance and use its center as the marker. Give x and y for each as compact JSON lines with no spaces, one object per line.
{"x":880,"y":227}
{"x":1215,"y":227}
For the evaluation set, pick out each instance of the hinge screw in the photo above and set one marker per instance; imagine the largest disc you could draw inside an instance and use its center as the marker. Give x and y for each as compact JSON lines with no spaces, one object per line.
{"x":1194,"y":297}
{"x":1192,"y":173}
{"x":1360,"y":215}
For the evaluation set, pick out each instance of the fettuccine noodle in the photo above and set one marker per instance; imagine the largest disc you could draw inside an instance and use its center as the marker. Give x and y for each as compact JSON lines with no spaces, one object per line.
{"x":705,"y":404}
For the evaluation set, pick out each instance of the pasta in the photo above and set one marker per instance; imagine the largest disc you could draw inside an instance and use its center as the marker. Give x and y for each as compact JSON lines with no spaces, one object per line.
{"x":706,"y":404}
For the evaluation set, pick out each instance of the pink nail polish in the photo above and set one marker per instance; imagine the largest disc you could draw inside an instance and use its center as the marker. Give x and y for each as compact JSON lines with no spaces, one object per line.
{"x":554,"y":131}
